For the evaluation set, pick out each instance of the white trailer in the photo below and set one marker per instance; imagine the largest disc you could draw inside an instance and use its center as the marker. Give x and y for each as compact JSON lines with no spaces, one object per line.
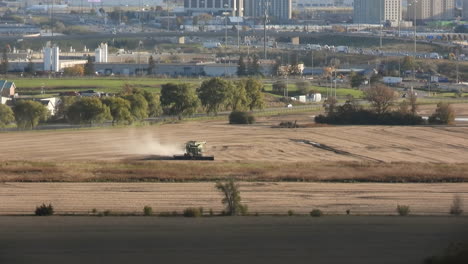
{"x":392,"y":80}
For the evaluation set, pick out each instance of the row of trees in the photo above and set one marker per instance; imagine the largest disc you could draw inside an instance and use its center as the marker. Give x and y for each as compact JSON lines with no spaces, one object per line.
{"x":133,"y":104}
{"x":383,"y":110}
{"x":213,"y":95}
{"x":26,"y":114}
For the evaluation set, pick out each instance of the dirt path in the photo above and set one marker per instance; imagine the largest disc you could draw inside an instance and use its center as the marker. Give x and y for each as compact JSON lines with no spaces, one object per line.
{"x":270,"y":198}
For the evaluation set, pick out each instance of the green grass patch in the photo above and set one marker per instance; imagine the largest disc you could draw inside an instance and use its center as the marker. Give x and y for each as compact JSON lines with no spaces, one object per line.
{"x":340,"y":92}
{"x":109,"y":84}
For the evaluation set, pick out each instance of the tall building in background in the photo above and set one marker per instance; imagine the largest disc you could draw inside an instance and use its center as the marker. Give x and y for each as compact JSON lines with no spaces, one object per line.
{"x":280,"y":10}
{"x":235,"y":7}
{"x":51,"y":58}
{"x":377,"y":11}
{"x":465,"y":9}
{"x":101,"y":53}
{"x":431,"y":9}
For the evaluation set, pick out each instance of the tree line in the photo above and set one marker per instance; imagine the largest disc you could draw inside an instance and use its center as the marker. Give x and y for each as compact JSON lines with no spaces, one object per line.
{"x":383,"y":110}
{"x":134,"y":104}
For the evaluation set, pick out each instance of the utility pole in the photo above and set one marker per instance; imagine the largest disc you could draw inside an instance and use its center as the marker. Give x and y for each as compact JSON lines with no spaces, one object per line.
{"x":265,"y":20}
{"x":457,"y":63}
{"x":312,"y":63}
{"x":168,"y":18}
{"x":415,"y":50}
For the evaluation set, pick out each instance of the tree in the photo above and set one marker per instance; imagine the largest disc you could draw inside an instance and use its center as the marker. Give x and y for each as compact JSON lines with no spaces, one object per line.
{"x":242,"y":67}
{"x":357,"y":79}
{"x":88,"y":110}
{"x":231,"y":198}
{"x":139,"y":106}
{"x":214,"y":93}
{"x":279,"y":87}
{"x":443,"y":115}
{"x":119,"y":110}
{"x":154,"y":106}
{"x":294,"y":69}
{"x":30,"y":69}
{"x":253,"y":66}
{"x":151,"y":65}
{"x":408,"y":64}
{"x":276,"y":71}
{"x":6,"y":115}
{"x":330,"y":105}
{"x":237,"y":97}
{"x":77,"y":71}
{"x":89,"y":67}
{"x":28,"y":114}
{"x":4,"y":63}
{"x":178,"y":99}
{"x":255,"y":97}
{"x":61,"y":108}
{"x":303,"y":87}
{"x":381,"y":98}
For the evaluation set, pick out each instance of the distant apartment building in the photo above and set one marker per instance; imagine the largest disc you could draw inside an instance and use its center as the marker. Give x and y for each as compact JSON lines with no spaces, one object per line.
{"x":377,"y":11}
{"x":215,"y":7}
{"x":279,"y":10}
{"x":431,"y":9}
{"x":465,"y":9}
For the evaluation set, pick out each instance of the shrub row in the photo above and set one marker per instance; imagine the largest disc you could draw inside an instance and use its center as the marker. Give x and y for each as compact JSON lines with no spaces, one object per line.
{"x":366,"y":117}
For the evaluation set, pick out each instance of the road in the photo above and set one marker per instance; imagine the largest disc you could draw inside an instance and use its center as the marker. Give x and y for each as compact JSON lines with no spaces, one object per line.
{"x":345,"y":239}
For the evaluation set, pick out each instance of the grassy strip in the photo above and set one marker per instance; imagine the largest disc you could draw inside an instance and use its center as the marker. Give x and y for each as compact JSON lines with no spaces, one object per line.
{"x":196,"y":171}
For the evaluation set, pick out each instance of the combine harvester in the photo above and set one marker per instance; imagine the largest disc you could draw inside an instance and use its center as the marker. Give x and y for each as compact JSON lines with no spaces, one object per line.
{"x":194,"y":151}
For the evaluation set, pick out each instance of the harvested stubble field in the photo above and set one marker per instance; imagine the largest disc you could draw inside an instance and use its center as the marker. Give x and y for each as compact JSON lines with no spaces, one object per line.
{"x":255,"y":143}
{"x":262,"y":198}
{"x":257,"y":153}
{"x":118,"y":168}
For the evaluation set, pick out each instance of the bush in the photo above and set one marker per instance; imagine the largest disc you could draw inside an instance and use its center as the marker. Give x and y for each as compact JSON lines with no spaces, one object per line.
{"x":444,"y":115}
{"x":316,"y":213}
{"x":44,"y":210}
{"x":289,"y":124}
{"x":243,"y":209}
{"x":237,"y":117}
{"x":403,"y":210}
{"x":290,"y":212}
{"x":168,"y":214}
{"x":365,"y":117}
{"x":456,"y":208}
{"x":106,"y":213}
{"x":193,"y":212}
{"x":147,"y":211}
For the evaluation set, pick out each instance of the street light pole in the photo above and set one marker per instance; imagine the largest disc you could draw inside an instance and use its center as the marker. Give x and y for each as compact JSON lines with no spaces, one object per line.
{"x":380,"y":22}
{"x":415,"y":28}
{"x":265,"y":19}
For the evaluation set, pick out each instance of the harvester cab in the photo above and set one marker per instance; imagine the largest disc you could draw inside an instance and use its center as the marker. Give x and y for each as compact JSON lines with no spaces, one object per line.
{"x":194,"y":151}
